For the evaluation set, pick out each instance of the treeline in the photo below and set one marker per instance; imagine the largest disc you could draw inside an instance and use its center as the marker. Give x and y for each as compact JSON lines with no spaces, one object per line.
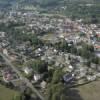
{"x":86,"y":9}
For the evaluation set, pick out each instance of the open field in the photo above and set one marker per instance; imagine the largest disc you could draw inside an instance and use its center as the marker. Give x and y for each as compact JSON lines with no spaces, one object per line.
{"x":6,"y":93}
{"x":90,"y":91}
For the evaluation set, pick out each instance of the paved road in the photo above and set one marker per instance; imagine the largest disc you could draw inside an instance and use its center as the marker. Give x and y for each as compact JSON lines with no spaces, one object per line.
{"x":22,"y":77}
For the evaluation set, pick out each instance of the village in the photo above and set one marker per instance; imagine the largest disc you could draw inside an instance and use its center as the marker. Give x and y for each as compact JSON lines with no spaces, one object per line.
{"x":61,"y":39}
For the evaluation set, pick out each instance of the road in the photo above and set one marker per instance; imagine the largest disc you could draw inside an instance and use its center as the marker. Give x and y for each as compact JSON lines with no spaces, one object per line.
{"x":22,"y":77}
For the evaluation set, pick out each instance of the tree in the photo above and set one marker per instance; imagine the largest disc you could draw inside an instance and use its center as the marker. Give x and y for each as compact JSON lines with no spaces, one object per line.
{"x":55,"y":96}
{"x":88,"y":63}
{"x":56,"y":92}
{"x":62,"y":45}
{"x":63,"y":97}
{"x":90,"y":48}
{"x":57,"y":76}
{"x":94,"y":19}
{"x":56,"y":88}
{"x":95,"y":60}
{"x":38,"y":66}
{"x":73,"y":50}
{"x":86,"y":51}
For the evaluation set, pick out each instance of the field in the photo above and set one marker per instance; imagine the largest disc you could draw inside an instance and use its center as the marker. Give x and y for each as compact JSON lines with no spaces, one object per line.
{"x":6,"y":93}
{"x":90,"y":91}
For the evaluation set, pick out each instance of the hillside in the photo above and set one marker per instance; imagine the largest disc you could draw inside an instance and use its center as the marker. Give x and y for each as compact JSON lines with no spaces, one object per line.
{"x":86,"y":9}
{"x":48,"y":3}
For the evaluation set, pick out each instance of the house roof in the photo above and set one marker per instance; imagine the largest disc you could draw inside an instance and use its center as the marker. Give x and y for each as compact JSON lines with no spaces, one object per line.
{"x":68,"y":77}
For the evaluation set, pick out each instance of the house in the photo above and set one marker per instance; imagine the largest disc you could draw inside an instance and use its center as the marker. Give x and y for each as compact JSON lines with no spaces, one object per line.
{"x":97,"y":53}
{"x":37,"y":77}
{"x":80,"y":70}
{"x":2,"y":34}
{"x":5,"y":52}
{"x":43,"y":84}
{"x":9,"y":75}
{"x":13,"y":57}
{"x":68,"y":68}
{"x":98,"y":75}
{"x":93,"y":66}
{"x":28,"y":70}
{"x":68,"y":77}
{"x":98,"y":68}
{"x":5,"y":43}
{"x":98,"y":32}
{"x":91,"y":78}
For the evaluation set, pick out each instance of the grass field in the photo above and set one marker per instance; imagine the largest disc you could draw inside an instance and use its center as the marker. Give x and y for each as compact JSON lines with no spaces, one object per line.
{"x":90,"y":91}
{"x":6,"y":93}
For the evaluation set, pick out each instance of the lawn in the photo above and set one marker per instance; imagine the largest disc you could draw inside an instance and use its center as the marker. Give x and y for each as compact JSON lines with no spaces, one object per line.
{"x":6,"y":93}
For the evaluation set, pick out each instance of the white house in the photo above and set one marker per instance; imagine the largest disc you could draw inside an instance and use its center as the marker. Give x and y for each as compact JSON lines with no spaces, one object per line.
{"x":28,"y":70}
{"x":5,"y":52}
{"x":43,"y":84}
{"x":2,"y":34}
{"x":37,"y":77}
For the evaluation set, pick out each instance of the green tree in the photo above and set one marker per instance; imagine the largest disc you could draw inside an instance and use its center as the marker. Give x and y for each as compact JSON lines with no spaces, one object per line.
{"x":57,"y":76}
{"x":56,"y":92}
{"x":63,"y":97}
{"x":95,"y":60}
{"x":38,"y":65}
